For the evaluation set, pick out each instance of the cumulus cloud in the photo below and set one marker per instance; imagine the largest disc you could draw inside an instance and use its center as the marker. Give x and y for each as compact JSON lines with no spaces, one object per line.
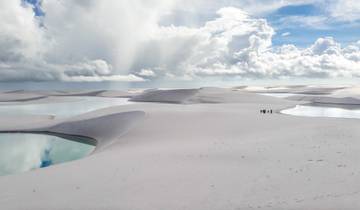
{"x":20,"y":37}
{"x":92,"y":40}
{"x":345,"y":10}
{"x":236,"y":44}
{"x":76,"y":40}
{"x":147,"y":73}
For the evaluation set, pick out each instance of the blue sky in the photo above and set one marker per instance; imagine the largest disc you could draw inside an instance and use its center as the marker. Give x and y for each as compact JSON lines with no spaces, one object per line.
{"x":37,"y":7}
{"x":287,"y":21}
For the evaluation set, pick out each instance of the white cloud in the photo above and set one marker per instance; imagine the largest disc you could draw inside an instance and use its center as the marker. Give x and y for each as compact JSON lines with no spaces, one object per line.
{"x":115,"y":78}
{"x":92,"y":40}
{"x":20,"y":37}
{"x":146,"y":73}
{"x":80,"y":40}
{"x":344,"y":10}
{"x":285,"y":34}
{"x":237,"y":45}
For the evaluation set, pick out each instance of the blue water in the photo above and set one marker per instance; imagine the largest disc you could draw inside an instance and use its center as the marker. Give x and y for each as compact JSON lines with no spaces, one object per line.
{"x":26,"y":152}
{"x":319,"y":111}
{"x":311,"y":110}
{"x":76,"y":106}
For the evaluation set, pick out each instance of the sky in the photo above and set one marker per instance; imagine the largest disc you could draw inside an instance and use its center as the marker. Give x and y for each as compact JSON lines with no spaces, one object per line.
{"x":182,"y":42}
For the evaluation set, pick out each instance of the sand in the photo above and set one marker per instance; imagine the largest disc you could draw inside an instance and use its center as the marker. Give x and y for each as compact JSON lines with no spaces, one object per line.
{"x":117,"y":94}
{"x":196,"y":149}
{"x":299,"y":89}
{"x":19,"y":97}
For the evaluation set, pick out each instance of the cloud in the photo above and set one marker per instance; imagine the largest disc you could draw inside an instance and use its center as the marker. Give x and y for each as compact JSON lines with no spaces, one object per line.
{"x":285,"y":34}
{"x":92,"y":40}
{"x":344,"y":10}
{"x":20,"y":37}
{"x":115,"y":78}
{"x":75,"y":40}
{"x":236,"y":45}
{"x":146,"y":73}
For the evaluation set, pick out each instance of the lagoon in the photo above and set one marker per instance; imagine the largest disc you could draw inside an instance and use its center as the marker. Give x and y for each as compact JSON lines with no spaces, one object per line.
{"x":74,"y":106}
{"x":322,"y":111}
{"x":21,"y":152}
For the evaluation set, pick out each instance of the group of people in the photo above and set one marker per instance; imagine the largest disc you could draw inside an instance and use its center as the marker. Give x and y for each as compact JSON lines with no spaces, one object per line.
{"x":266,"y":111}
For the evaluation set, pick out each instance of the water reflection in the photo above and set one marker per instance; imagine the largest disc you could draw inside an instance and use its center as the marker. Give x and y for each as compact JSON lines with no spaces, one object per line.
{"x":319,"y":111}
{"x":77,"y":105}
{"x":24,"y":152}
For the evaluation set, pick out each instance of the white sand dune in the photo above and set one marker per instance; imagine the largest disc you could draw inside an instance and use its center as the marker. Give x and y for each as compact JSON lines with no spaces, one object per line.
{"x":311,"y":90}
{"x":202,"y":95}
{"x":19,"y":97}
{"x":116,"y":94}
{"x":96,"y":125}
{"x":327,"y":100}
{"x":210,"y":150}
{"x":352,"y":91}
{"x":99,"y":127}
{"x":77,"y":93}
{"x":166,"y":96}
{"x":42,"y":100}
{"x":220,"y":95}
